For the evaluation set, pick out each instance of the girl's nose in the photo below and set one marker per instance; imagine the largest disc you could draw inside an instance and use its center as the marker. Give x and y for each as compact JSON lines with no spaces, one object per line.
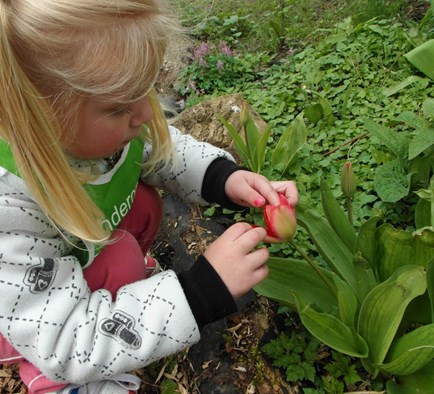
{"x":141,"y":112}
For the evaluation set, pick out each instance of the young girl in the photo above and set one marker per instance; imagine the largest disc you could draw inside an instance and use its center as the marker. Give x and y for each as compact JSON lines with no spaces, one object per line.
{"x":83,"y":145}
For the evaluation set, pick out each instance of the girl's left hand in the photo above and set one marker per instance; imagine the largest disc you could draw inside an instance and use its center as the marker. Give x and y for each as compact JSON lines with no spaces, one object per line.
{"x":249,"y":189}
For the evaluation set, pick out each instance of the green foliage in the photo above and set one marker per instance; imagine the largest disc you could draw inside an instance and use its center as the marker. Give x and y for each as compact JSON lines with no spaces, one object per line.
{"x":169,"y":387}
{"x":408,"y":164}
{"x":296,"y":354}
{"x":342,"y":373}
{"x":217,"y":68}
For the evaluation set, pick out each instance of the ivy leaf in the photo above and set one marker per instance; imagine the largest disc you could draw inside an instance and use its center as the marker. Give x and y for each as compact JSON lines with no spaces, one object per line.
{"x":392,"y":182}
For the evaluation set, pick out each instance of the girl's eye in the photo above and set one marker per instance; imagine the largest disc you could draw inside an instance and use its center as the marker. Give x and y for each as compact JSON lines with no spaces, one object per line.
{"x":122,"y":111}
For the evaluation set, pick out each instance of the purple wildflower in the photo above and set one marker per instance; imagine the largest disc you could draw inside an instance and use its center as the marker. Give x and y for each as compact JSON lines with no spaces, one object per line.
{"x":224,"y":49}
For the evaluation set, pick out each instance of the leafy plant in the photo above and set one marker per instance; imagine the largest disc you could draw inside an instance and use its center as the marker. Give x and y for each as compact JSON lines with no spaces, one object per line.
{"x":409,"y":165}
{"x":342,"y":374}
{"x":253,"y":148}
{"x":296,"y":354}
{"x":358,"y":304}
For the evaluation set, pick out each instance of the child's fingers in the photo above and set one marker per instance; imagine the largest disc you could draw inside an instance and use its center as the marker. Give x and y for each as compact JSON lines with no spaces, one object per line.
{"x":250,"y":239}
{"x":289,"y":188}
{"x":236,"y":231}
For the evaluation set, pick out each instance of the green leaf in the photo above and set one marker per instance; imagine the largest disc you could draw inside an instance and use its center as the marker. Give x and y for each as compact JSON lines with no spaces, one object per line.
{"x":396,"y":248}
{"x":384,"y":307}
{"x":391,"y":181}
{"x":347,"y":303}
{"x":314,"y":113}
{"x":252,"y":135}
{"x":366,"y":242}
{"x":328,"y":243}
{"x":332,"y":331}
{"x":422,"y":57}
{"x":421,"y":382}
{"x":391,"y":139}
{"x":421,"y":142}
{"x":288,"y":276}
{"x":410,"y":352}
{"x":430,"y":285}
{"x":422,"y":213}
{"x":336,"y":217}
{"x":290,"y":143}
{"x":413,"y":120}
{"x":401,"y":85}
{"x":260,"y":149}
{"x":428,"y":108}
{"x":239,"y":143}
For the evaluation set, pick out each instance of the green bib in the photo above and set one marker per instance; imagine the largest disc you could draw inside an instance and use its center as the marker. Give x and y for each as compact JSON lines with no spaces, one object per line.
{"x":113,"y":191}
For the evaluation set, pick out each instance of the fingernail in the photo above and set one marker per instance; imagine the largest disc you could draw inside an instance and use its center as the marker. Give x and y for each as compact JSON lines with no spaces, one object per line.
{"x":259,"y":202}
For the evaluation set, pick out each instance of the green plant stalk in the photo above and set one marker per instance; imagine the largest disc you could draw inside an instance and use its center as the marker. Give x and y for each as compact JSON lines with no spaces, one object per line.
{"x":314,"y":266}
{"x":432,"y":201}
{"x":349,"y":206}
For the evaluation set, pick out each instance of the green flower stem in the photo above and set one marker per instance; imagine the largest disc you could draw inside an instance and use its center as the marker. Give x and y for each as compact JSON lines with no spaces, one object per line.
{"x":349,"y":206}
{"x":314,"y":266}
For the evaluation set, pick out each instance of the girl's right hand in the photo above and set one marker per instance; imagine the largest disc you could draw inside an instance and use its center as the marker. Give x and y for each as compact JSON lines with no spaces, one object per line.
{"x":233,"y":257}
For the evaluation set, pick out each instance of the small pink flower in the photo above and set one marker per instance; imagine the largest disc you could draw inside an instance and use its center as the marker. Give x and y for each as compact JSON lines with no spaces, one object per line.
{"x":280,"y":220}
{"x":224,"y":49}
{"x":220,"y":65}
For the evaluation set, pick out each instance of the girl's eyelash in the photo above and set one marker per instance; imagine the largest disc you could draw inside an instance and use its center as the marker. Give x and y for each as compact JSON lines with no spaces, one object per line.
{"x":122,"y":111}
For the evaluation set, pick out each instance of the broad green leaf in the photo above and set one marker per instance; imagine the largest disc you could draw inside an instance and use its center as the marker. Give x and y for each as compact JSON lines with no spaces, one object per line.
{"x":240,"y":145}
{"x":328,"y":243}
{"x":314,"y":113}
{"x":383,"y":308}
{"x":391,"y":181}
{"x":410,"y":352}
{"x":365,"y":277}
{"x":366,"y":241}
{"x":288,"y":276}
{"x":252,"y":135}
{"x":421,"y":382}
{"x":430,"y":285}
{"x":336,"y":217}
{"x":290,"y":143}
{"x":332,"y":331}
{"x":347,"y":303}
{"x":421,"y":142}
{"x":422,"y":57}
{"x":391,"y":139}
{"x":396,"y":248}
{"x":422,"y":213}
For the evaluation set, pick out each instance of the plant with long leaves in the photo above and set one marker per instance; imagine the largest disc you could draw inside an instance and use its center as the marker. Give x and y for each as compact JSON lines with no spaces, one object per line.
{"x":251,"y":143}
{"x":378,"y":283}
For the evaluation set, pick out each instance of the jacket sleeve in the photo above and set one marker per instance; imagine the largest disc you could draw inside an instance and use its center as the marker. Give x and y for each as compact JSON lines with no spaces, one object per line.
{"x":185,"y":173}
{"x":48,"y":314}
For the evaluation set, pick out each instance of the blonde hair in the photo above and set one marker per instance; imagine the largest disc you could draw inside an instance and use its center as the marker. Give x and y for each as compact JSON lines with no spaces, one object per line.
{"x":53,"y":54}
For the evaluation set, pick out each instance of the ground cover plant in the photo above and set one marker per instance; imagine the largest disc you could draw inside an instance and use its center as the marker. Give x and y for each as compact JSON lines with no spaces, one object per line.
{"x":353,"y":99}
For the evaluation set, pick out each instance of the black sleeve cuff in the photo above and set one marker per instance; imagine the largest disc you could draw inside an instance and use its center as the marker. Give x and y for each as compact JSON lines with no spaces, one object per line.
{"x":206,"y":293}
{"x":213,"y":186}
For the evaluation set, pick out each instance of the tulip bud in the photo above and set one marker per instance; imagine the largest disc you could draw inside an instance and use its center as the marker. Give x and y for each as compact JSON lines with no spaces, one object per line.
{"x":348,"y":180}
{"x":244,"y":114}
{"x":280,"y":221}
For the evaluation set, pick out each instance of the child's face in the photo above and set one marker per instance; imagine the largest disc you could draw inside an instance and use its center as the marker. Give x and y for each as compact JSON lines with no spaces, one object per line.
{"x":104,"y":128}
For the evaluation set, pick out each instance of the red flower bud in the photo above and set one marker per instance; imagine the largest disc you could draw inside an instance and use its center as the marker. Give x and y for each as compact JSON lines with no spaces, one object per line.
{"x":280,"y":220}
